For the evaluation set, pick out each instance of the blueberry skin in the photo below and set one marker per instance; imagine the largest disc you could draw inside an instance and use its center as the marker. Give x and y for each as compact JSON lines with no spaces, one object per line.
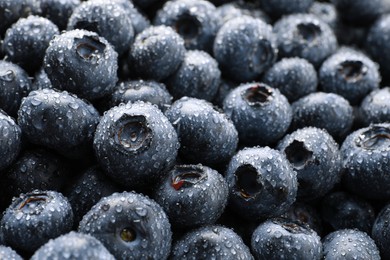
{"x":349,"y":244}
{"x":156,"y":53}
{"x":206,"y":135}
{"x":280,"y":238}
{"x":83,"y":63}
{"x":277,"y":8}
{"x":26,"y":41}
{"x":359,"y":12}
{"x":138,"y":20}
{"x":305,"y":36}
{"x":244,"y":48}
{"x":339,"y":209}
{"x":365,"y":153}
{"x":381,"y":231}
{"x":41,"y":80}
{"x":194,"y":21}
{"x":70,"y":121}
{"x":198,"y":76}
{"x":262,"y":183}
{"x":375,"y":107}
{"x":87,"y":190}
{"x":261,"y":114}
{"x":294,"y":77}
{"x":14,"y":85}
{"x":326,"y":12}
{"x":315,"y":156}
{"x":35,"y":217}
{"x":11,"y":141}
{"x":192,"y":195}
{"x":10,"y":12}
{"x":350,"y":74}
{"x":9,"y":253}
{"x":135,"y":144}
{"x":143,"y":90}
{"x":57,"y":11}
{"x":328,"y":111}
{"x":73,"y":245}
{"x":93,"y":16}
{"x":216,"y":242}
{"x":224,"y":88}
{"x":130,"y":225}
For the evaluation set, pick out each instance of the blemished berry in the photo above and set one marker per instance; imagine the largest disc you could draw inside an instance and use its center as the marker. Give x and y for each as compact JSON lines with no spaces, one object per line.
{"x":83,"y":63}
{"x":130,"y":225}
{"x":381,"y":231}
{"x":280,"y":238}
{"x":261,"y":114}
{"x":26,"y":41}
{"x":93,"y":16}
{"x":375,"y":107}
{"x":244,"y":48}
{"x":294,"y":77}
{"x":211,"y":242}
{"x":315,"y":156}
{"x":194,"y":21}
{"x":305,"y":36}
{"x":206,"y":135}
{"x":156,"y":53}
{"x":135,"y":144}
{"x":10,"y":141}
{"x":198,"y":76}
{"x":73,"y":245}
{"x":70,"y":121}
{"x":349,"y":244}
{"x":9,"y":253}
{"x":192,"y":195}
{"x":277,"y":8}
{"x":35,"y":217}
{"x":365,"y":154}
{"x":262,"y":183}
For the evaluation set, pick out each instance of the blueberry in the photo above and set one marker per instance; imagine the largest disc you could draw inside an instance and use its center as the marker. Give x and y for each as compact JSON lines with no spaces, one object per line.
{"x":144,"y":90}
{"x":87,"y":189}
{"x":365,"y":154}
{"x":375,"y":107}
{"x":206,"y":135}
{"x":11,"y":141}
{"x":305,"y":36}
{"x":381,"y":231}
{"x":135,"y":144}
{"x":108,"y":19}
{"x":198,"y":76}
{"x":315,"y":156}
{"x":41,"y":80}
{"x":285,"y":239}
{"x":35,"y":217}
{"x":244,"y":48}
{"x":224,"y":88}
{"x":294,"y":77}
{"x":261,"y":114}
{"x":14,"y":85}
{"x":261,"y":182}
{"x":10,"y":12}
{"x":277,"y":8}
{"x":57,"y":11}
{"x":26,"y":41}
{"x":340,"y":210}
{"x":157,"y":53}
{"x":138,"y":20}
{"x":349,"y":73}
{"x":324,"y":11}
{"x":9,"y":253}
{"x":359,"y":12}
{"x":192,"y":195}
{"x":194,"y":21}
{"x":73,"y":245}
{"x":349,"y":244}
{"x":83,"y":63}
{"x":350,"y":35}
{"x":323,"y":110}
{"x":70,"y":121}
{"x":130,"y":225}
{"x":211,"y":242}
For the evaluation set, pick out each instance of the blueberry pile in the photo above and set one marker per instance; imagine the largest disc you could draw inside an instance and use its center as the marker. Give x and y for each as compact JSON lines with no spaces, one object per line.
{"x":195,"y":129}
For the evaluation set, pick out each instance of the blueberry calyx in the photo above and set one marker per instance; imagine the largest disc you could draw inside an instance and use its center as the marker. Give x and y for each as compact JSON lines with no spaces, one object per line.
{"x":128,"y":234}
{"x":308,"y":32}
{"x":32,"y":198}
{"x":258,"y":95}
{"x":263,"y":53}
{"x":352,"y":70}
{"x":89,"y":48}
{"x":132,"y":133}
{"x":7,"y":75}
{"x":247,"y":184}
{"x":186,"y":176}
{"x":374,"y":138}
{"x":188,"y":27}
{"x":298,"y":154}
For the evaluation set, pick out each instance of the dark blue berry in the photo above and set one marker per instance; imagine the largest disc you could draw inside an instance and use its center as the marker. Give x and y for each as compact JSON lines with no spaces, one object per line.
{"x":130,"y":225}
{"x":261,"y":114}
{"x":138,"y":20}
{"x":324,"y":11}
{"x":9,"y":253}
{"x":381,"y":231}
{"x":41,"y":80}
{"x":10,"y":141}
{"x":359,"y":12}
{"x":224,"y":88}
{"x":375,"y":107}
{"x":10,"y":12}
{"x":276,"y":8}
